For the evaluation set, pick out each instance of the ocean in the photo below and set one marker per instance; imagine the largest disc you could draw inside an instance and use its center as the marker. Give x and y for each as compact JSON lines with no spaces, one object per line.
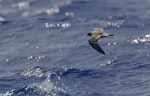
{"x":44,"y":49}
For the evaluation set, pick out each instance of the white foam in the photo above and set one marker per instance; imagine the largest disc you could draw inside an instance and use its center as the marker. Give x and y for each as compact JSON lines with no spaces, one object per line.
{"x":49,"y":87}
{"x":144,"y":39}
{"x":6,"y":94}
{"x":2,"y":19}
{"x":23,"y":5}
{"x":37,"y":72}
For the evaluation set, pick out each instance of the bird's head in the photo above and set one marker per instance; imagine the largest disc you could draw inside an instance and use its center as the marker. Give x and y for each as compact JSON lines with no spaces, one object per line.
{"x":89,"y":34}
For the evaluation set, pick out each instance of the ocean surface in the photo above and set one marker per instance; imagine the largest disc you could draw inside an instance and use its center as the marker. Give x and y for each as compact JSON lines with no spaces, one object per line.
{"x":44,"y":49}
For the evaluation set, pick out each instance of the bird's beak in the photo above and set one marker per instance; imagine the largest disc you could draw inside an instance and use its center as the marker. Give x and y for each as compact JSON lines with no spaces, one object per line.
{"x":107,"y":35}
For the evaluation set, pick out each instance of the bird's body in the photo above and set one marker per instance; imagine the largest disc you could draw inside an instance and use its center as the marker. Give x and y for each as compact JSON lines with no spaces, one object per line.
{"x":94,"y":37}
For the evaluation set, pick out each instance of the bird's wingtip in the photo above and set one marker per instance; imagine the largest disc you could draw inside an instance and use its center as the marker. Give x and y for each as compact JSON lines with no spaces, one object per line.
{"x":103,"y":53}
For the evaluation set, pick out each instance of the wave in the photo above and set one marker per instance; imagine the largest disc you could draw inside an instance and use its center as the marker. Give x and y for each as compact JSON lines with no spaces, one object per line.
{"x":50,"y":83}
{"x":67,"y":81}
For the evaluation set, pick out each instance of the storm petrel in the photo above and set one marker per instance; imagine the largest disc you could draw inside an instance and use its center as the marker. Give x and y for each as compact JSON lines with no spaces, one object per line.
{"x":94,"y":37}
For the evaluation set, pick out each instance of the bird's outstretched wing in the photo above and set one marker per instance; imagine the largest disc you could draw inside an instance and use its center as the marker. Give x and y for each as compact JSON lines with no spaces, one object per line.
{"x":96,"y":46}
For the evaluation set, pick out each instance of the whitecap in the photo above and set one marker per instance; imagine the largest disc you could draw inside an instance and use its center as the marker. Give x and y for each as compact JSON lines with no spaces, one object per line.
{"x":49,"y":87}
{"x":35,"y":71}
{"x":144,"y":39}
{"x":115,"y":24}
{"x":2,"y":19}
{"x":7,"y":93}
{"x":23,"y":5}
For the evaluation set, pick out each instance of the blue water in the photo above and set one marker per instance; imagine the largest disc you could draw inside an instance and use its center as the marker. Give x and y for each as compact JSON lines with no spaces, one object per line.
{"x":44,"y":49}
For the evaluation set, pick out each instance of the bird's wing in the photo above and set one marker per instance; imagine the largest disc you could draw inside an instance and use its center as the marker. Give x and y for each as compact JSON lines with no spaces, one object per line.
{"x":96,"y":34}
{"x":95,"y":38}
{"x":96,"y":46}
{"x":98,"y":30}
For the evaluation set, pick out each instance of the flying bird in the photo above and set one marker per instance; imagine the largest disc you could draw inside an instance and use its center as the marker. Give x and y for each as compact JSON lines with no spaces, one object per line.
{"x":94,"y":37}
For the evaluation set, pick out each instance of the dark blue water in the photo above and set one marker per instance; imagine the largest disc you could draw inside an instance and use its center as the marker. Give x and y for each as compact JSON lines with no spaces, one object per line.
{"x":44,"y":49}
